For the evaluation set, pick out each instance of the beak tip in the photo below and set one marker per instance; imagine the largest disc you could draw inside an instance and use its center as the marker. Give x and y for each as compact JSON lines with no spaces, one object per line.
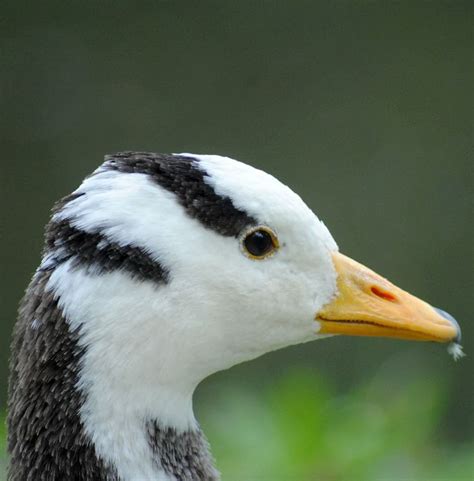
{"x":453,"y":321}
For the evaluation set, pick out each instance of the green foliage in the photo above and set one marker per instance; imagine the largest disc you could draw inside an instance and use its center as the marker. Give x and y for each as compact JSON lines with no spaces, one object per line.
{"x":300,"y":429}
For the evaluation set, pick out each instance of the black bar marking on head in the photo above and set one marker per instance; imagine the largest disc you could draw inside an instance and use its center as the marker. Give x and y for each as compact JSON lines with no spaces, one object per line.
{"x":96,"y":251}
{"x":183,"y":176}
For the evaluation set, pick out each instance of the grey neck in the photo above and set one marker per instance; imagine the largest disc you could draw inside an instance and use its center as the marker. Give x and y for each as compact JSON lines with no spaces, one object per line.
{"x":46,"y":437}
{"x":184,"y":456}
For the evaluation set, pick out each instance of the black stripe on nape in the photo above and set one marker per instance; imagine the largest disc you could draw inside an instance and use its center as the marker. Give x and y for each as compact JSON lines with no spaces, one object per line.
{"x":183,"y":176}
{"x":46,"y":438}
{"x":63,"y":241}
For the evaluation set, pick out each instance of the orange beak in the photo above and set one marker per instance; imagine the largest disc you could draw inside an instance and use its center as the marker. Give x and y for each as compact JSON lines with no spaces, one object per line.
{"x":369,"y":305}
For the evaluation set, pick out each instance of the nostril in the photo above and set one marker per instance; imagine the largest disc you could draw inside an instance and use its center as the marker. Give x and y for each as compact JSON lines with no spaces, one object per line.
{"x":383,"y":294}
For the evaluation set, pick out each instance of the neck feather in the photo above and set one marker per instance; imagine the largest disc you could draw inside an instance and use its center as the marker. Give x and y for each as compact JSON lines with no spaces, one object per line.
{"x":50,"y":434}
{"x":184,"y":456}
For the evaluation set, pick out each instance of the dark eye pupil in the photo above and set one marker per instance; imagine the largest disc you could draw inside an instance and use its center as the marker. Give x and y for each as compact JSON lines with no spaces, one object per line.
{"x":259,"y":243}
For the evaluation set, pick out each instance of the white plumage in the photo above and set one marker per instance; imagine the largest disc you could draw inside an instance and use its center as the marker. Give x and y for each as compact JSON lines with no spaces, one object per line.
{"x":147,"y":345}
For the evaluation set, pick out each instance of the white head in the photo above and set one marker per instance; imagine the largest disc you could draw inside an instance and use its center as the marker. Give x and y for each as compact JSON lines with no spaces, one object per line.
{"x":172,"y":267}
{"x":218,"y":306}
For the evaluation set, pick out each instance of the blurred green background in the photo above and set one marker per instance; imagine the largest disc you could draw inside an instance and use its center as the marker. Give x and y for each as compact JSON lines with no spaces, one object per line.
{"x":363,"y":108}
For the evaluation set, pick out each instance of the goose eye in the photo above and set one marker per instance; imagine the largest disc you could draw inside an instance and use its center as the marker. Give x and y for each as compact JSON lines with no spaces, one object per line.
{"x":260,"y":243}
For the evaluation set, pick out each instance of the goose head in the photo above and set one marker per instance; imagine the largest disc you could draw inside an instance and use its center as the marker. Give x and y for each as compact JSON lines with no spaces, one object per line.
{"x":163,"y":269}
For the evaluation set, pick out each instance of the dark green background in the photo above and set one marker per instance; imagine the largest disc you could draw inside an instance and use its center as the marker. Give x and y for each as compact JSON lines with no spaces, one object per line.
{"x":363,"y":108}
